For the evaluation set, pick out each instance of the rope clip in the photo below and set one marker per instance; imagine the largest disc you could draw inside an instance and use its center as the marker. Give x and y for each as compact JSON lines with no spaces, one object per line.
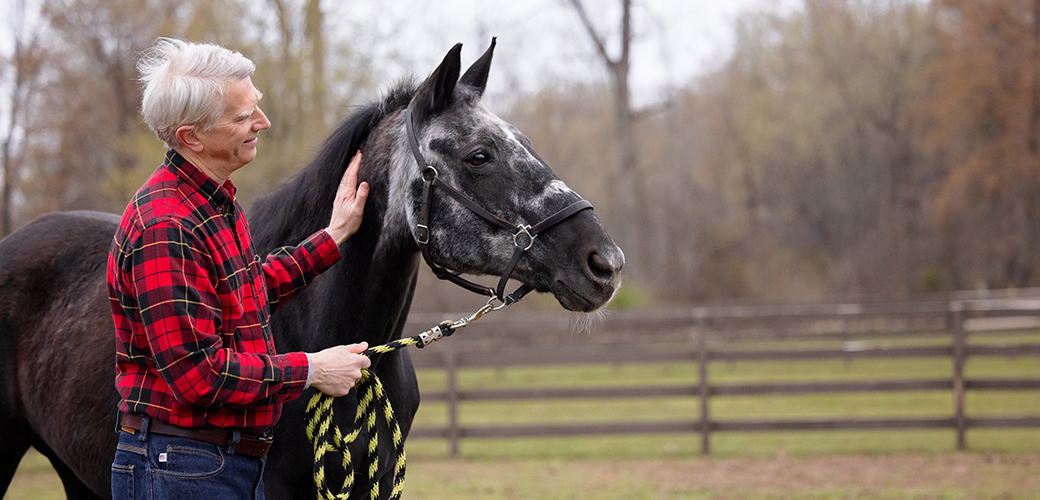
{"x":446,"y":328}
{"x":489,"y":307}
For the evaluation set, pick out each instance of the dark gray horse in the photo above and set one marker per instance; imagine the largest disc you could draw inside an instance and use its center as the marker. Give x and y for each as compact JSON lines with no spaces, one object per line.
{"x":56,"y":334}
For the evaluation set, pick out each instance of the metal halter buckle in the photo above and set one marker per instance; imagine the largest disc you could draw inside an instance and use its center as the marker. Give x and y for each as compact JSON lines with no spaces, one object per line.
{"x":530,"y":237}
{"x":422,"y":234}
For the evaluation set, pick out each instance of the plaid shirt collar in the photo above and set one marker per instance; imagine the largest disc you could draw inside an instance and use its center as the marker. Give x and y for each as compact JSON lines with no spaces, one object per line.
{"x":218,"y":195}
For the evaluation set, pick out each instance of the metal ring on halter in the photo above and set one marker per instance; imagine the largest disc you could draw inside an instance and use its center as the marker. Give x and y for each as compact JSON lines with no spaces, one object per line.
{"x":489,"y":307}
{"x":428,"y":169}
{"x":502,"y":303}
{"x":530,"y":237}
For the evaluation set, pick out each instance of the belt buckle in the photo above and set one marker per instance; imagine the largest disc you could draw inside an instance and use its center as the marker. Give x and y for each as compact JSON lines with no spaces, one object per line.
{"x":263,"y":445}
{"x":253,"y":445}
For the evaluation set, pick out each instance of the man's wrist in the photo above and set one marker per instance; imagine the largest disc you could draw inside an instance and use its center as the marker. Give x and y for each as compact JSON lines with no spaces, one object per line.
{"x":332,"y":234}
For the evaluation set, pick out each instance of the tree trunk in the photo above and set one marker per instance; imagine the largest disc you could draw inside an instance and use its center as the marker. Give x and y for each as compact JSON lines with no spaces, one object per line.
{"x":629,"y":187}
{"x":315,"y":36}
{"x":25,"y":67}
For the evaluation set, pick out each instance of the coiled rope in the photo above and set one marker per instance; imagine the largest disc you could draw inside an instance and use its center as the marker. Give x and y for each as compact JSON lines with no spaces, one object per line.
{"x":326,"y":437}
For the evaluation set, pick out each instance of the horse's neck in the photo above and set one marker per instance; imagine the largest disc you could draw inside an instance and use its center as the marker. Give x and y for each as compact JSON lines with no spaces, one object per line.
{"x":366,"y":295}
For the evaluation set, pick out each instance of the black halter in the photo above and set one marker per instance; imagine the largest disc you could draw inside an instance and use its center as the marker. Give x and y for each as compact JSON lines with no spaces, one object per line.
{"x":523,"y":235}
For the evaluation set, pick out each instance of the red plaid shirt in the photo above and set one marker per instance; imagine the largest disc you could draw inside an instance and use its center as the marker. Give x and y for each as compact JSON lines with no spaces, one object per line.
{"x":191,"y":305}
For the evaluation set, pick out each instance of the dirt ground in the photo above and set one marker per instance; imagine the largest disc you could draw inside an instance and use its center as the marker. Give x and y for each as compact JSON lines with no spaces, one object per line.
{"x":960,"y":476}
{"x":1017,"y":472}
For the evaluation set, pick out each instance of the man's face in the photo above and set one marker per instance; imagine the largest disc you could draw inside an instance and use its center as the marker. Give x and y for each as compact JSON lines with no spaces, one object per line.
{"x":231,"y":143}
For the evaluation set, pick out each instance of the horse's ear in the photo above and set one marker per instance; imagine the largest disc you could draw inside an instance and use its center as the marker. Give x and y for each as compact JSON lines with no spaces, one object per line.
{"x":437,"y":92}
{"x":477,"y":74}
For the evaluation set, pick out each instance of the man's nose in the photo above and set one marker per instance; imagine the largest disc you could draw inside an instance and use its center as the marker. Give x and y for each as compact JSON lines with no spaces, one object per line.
{"x":264,"y":123}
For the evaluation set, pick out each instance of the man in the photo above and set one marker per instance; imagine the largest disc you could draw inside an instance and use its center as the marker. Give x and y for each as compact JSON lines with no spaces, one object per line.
{"x":196,"y":367}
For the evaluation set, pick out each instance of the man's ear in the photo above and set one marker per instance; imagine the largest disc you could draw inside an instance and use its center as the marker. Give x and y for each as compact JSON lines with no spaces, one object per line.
{"x":186,"y":135}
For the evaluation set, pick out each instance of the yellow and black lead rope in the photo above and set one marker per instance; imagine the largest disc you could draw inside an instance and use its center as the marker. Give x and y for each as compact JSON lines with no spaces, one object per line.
{"x":326,"y":437}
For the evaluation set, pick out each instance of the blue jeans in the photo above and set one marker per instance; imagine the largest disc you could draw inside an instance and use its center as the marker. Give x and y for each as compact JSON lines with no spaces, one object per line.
{"x":154,"y":466}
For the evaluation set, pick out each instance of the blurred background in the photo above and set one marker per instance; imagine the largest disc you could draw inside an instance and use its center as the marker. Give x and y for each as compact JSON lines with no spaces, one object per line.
{"x":739,"y":151}
{"x":742,"y":150}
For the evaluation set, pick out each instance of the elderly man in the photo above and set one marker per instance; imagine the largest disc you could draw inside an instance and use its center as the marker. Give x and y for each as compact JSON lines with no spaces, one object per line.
{"x":196,"y":366}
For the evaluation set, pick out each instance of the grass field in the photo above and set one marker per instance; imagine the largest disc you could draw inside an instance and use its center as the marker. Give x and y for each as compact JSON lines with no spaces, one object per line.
{"x":810,"y":465}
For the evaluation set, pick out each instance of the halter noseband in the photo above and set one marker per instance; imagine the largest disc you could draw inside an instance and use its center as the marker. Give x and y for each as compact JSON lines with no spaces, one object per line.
{"x":523,"y":235}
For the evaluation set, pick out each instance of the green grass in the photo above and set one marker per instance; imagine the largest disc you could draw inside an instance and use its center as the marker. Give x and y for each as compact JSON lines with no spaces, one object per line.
{"x":724,"y":445}
{"x":35,"y":480}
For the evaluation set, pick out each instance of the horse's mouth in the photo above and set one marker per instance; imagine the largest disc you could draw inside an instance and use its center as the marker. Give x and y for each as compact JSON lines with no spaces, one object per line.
{"x":572,"y":300}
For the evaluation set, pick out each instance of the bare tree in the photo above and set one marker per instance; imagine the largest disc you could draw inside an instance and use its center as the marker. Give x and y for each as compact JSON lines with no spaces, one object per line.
{"x":23,"y":68}
{"x":619,"y":71}
{"x":629,"y":190}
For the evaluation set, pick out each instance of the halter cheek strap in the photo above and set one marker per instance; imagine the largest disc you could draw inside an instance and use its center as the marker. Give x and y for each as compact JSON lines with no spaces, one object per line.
{"x":523,"y":235}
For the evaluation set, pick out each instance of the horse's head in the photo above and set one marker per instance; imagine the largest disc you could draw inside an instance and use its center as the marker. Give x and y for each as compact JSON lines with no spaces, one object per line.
{"x":491,"y":164}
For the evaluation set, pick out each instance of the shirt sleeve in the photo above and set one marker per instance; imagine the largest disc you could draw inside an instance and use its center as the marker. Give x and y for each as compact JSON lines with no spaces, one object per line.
{"x":180,"y":313}
{"x":288,"y":270}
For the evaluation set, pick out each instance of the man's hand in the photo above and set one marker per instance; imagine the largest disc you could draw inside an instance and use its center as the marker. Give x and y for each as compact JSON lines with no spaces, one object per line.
{"x":335,"y":370}
{"x":349,"y":206}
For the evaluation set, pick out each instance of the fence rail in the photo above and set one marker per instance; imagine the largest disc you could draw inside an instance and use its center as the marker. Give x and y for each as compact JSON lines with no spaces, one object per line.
{"x":704,"y":335}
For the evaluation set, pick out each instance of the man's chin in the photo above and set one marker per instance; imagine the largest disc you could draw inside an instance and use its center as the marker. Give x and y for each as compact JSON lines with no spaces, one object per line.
{"x":248,"y":155}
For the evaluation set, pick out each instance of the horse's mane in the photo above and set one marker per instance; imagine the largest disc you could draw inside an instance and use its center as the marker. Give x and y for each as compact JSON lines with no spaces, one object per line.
{"x":302,"y":205}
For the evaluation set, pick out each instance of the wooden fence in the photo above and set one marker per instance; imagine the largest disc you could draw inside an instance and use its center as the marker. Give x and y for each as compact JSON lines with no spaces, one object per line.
{"x":703,"y":335}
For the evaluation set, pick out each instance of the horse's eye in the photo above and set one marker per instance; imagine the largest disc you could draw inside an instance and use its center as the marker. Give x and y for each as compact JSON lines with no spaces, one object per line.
{"x":478,"y":159}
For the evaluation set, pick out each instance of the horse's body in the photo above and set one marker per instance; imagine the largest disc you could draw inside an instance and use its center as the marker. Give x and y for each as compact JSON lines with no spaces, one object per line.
{"x":56,"y":334}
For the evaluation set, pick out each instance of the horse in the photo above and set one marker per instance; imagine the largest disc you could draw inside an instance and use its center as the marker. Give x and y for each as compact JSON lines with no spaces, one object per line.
{"x":56,"y":333}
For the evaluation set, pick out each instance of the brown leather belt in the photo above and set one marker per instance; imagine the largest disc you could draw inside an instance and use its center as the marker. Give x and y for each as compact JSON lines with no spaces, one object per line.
{"x":248,"y":444}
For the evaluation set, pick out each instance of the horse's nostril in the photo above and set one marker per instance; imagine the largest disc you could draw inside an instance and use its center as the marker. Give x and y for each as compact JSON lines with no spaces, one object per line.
{"x":600,"y":266}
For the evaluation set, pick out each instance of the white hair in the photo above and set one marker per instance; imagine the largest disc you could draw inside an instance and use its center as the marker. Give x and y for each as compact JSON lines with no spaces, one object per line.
{"x":186,"y":83}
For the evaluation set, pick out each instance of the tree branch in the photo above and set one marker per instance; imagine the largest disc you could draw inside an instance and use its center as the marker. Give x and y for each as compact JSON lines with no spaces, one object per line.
{"x":601,"y":45}
{"x":626,"y":31}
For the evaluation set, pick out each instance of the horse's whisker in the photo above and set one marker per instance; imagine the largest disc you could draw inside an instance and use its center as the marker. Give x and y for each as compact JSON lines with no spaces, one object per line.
{"x":586,"y":322}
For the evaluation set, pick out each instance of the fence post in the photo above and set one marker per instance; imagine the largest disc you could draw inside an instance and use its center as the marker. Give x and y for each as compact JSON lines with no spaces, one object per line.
{"x":956,"y":316}
{"x":453,"y":401}
{"x":705,"y":391}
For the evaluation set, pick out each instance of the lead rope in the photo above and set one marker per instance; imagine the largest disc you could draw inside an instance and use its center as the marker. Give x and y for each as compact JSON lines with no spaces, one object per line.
{"x":325,"y":435}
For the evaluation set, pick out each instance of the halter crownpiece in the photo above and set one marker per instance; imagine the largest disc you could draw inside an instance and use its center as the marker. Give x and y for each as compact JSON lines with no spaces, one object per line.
{"x":523,"y":235}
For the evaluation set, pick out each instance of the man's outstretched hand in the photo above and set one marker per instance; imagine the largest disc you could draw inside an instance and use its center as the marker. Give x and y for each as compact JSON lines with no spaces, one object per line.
{"x":349,"y":206}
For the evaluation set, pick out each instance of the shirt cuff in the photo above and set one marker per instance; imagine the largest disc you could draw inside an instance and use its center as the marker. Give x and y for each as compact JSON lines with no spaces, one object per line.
{"x":326,"y":252}
{"x":310,"y":372}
